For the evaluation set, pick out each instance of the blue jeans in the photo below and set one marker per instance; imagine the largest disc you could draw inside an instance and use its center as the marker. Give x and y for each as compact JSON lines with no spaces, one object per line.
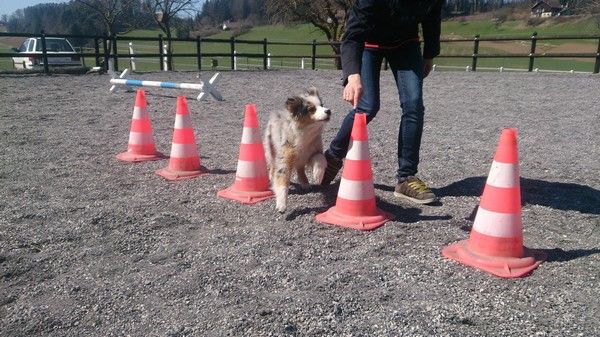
{"x":406,"y":64}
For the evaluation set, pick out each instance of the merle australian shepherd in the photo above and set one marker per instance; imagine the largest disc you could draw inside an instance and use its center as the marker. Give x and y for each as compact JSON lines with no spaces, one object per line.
{"x":293,"y":143}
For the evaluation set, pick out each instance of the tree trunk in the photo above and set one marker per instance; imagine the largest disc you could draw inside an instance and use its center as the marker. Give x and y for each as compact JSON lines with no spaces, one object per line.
{"x":337,"y":52}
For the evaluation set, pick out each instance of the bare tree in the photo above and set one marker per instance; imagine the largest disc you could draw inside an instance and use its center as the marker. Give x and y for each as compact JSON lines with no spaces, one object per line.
{"x":329,"y":16}
{"x":110,"y":11}
{"x":593,"y":8}
{"x":164,"y":13}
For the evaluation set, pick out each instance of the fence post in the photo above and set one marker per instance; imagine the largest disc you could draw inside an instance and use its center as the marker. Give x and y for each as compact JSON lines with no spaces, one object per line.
{"x":169,"y":53}
{"x":232,"y":51}
{"x":131,"y":58}
{"x":597,"y":65}
{"x":235,"y":60}
{"x":475,"y":52}
{"x":106,"y":52}
{"x":265,"y":55}
{"x":314,"y":54}
{"x":199,"y":52}
{"x":96,"y":51}
{"x":532,"y":51}
{"x":45,"y":53}
{"x":160,"y":52}
{"x":115,"y":53}
{"x":166,"y":57}
{"x":269,"y":61}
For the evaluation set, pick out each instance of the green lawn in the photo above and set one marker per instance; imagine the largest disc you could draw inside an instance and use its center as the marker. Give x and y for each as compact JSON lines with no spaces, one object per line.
{"x":486,"y":28}
{"x":275,"y":33}
{"x":305,"y":33}
{"x":5,"y":62}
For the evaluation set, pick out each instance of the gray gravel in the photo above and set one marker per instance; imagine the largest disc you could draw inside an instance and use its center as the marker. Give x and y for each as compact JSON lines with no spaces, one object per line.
{"x":90,"y":246}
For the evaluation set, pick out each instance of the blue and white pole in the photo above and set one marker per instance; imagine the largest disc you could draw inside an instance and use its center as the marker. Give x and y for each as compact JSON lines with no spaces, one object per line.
{"x":204,"y":86}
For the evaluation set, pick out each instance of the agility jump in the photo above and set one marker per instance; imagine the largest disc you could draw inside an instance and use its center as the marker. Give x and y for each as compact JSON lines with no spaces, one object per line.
{"x":204,"y":86}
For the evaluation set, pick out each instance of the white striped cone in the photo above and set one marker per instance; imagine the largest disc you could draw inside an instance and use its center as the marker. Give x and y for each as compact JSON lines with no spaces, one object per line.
{"x":141,"y":145}
{"x":251,"y":183}
{"x":356,"y":205}
{"x":184,"y":161}
{"x":496,"y":241}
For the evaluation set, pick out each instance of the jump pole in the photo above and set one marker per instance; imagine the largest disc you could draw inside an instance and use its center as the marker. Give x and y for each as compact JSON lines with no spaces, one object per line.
{"x":204,"y":86}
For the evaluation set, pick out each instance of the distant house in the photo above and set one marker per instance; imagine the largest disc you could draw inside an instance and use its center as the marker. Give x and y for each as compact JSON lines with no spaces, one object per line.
{"x":3,"y":26}
{"x":546,"y":9}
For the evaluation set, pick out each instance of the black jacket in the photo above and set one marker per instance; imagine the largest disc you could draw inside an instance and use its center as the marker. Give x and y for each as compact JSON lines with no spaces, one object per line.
{"x":389,"y":23}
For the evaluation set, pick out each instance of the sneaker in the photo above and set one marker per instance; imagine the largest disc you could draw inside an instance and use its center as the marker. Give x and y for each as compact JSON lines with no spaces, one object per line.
{"x":333,"y":167}
{"x":414,"y":190}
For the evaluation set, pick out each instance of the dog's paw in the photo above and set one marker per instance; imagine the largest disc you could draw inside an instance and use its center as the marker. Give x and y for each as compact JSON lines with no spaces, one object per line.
{"x":304,"y":186}
{"x":281,"y":208}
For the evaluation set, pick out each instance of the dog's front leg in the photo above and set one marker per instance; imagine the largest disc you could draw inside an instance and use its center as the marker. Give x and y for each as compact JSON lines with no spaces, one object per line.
{"x":302,"y":178}
{"x":281,"y":184}
{"x":318,"y":164}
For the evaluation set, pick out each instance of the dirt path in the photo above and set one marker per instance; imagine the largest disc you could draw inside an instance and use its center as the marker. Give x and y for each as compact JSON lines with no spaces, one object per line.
{"x":90,"y":246}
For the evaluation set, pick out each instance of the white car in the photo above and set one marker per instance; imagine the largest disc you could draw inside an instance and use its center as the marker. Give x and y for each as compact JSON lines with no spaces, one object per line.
{"x":58,"y":50}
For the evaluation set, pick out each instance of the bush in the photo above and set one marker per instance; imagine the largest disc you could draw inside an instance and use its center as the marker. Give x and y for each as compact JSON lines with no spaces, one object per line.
{"x":499,"y":19}
{"x":532,"y":22}
{"x":242,"y":29}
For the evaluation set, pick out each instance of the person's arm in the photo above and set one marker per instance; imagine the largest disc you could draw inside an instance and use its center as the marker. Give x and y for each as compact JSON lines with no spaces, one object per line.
{"x":431,"y":35}
{"x":358,"y":26}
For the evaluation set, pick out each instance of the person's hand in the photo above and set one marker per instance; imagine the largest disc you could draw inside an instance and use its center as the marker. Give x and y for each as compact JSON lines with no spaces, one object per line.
{"x":427,"y":66}
{"x":353,"y":90}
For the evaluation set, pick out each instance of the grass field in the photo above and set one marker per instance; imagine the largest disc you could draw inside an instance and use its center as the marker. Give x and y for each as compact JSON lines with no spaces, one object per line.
{"x":305,"y":33}
{"x":5,"y":62}
{"x":554,"y":27}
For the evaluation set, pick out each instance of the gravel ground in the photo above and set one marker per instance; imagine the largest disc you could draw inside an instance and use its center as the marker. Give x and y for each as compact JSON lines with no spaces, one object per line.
{"x":90,"y":246}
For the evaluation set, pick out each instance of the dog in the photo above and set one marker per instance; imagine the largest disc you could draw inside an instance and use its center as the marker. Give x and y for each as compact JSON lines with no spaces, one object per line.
{"x":293,"y":142}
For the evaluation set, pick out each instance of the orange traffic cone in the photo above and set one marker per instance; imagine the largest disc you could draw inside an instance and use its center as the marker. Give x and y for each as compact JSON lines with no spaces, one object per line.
{"x":251,"y":183}
{"x":496,"y":241}
{"x":184,"y":161}
{"x":141,"y":142}
{"x":355,"y":206}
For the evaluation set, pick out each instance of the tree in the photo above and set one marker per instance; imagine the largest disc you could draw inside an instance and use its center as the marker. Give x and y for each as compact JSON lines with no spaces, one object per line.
{"x":329,"y":16}
{"x":165,"y":13}
{"x":111,"y":12}
{"x":593,"y":7}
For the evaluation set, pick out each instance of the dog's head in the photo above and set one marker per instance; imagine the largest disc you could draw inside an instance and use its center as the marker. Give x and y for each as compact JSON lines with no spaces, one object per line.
{"x":308,"y":108}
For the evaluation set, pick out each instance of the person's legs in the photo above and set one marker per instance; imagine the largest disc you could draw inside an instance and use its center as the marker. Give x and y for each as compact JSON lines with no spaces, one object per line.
{"x":368,"y":104}
{"x":407,"y":66}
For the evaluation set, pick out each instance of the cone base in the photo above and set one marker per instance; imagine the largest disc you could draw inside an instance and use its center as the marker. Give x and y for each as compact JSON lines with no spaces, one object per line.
{"x":363,"y":223}
{"x":136,"y":158}
{"x":180,"y":175}
{"x":245,"y":197}
{"x":506,"y":267}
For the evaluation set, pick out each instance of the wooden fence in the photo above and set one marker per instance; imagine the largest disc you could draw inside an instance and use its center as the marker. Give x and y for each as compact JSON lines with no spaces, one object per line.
{"x":106,"y":48}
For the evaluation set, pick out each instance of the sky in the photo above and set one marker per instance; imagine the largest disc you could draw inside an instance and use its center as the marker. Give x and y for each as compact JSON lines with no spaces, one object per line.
{"x":9,"y":6}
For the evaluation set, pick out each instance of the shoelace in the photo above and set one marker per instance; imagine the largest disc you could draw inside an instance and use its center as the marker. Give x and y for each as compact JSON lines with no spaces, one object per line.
{"x":419,"y":186}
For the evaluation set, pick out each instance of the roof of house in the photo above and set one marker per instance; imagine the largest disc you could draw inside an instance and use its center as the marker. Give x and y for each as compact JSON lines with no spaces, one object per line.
{"x":551,"y":3}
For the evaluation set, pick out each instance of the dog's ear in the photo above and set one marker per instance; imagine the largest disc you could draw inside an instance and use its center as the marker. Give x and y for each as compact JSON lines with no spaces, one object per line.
{"x":295,"y":105}
{"x":312,"y":91}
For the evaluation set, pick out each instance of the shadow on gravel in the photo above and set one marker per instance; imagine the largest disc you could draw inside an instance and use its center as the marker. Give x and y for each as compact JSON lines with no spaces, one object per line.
{"x":408,"y":214}
{"x":563,"y":196}
{"x":154,"y":94}
{"x":329,"y":196}
{"x":559,"y":255}
{"x":221,"y":171}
